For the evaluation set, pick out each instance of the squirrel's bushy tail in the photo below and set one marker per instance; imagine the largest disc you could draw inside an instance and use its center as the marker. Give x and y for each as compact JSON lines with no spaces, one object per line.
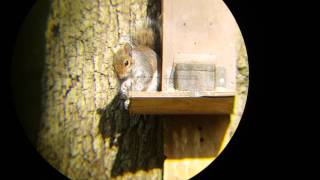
{"x":144,"y":37}
{"x":146,"y":34}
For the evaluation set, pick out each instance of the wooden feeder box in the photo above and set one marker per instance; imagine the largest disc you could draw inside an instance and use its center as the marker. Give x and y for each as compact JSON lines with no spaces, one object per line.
{"x":198,"y":61}
{"x":198,"y":84}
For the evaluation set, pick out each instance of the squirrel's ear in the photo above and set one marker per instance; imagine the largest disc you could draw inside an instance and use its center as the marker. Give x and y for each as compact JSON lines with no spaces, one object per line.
{"x":127,"y":49}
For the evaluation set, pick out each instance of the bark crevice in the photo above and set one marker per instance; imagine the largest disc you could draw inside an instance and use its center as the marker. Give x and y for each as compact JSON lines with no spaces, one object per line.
{"x":85,"y":132}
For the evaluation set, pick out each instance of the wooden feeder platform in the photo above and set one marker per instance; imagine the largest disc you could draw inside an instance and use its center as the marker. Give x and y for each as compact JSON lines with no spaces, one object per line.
{"x":181,"y":102}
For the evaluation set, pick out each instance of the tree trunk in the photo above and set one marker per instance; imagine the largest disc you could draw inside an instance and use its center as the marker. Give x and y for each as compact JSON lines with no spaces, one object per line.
{"x":83,"y":132}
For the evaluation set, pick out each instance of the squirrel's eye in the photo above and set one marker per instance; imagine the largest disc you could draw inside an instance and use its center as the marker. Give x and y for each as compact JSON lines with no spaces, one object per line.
{"x":126,"y":63}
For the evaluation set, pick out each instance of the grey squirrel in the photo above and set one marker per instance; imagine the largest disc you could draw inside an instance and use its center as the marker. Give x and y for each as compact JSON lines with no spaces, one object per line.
{"x":137,"y":65}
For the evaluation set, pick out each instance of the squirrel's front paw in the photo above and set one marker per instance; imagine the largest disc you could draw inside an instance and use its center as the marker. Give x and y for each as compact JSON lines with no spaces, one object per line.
{"x":126,"y":104}
{"x":123,"y":95}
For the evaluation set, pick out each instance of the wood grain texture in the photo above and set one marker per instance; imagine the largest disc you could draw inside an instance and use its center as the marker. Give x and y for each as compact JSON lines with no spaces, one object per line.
{"x":194,"y":77}
{"x":168,"y":94}
{"x":176,"y":105}
{"x":194,"y":136}
{"x":191,"y":142}
{"x":198,"y":32}
{"x":179,"y":103}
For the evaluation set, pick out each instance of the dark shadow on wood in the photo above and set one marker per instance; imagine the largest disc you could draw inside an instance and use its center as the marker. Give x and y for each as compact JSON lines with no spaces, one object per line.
{"x":138,"y":138}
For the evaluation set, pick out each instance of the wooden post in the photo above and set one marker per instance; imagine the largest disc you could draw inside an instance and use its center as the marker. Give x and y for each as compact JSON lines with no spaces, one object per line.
{"x":196,"y":32}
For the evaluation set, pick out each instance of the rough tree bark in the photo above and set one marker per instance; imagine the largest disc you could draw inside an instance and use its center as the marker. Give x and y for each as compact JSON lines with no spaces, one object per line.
{"x":83,"y":133}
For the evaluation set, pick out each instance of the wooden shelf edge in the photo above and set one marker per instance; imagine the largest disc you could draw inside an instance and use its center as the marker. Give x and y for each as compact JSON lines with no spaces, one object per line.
{"x":173,"y":94}
{"x":180,"y":103}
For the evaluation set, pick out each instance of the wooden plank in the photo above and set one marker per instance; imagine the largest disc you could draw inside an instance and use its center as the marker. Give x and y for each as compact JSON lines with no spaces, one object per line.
{"x":183,"y":169}
{"x":202,"y":31}
{"x":181,"y":105}
{"x":162,"y":94}
{"x":192,"y":142}
{"x":194,"y":77}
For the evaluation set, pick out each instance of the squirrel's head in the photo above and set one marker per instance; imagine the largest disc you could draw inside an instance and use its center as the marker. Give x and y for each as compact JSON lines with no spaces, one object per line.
{"x":122,"y":61}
